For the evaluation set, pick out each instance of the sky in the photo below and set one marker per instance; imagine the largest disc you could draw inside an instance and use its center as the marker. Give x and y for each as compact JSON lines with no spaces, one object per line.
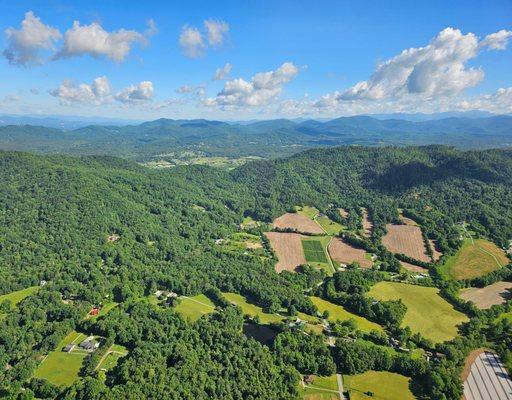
{"x":234,"y":60}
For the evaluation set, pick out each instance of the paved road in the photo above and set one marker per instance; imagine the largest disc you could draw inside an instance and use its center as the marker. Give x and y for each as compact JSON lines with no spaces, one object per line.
{"x":331,"y":341}
{"x":488,"y":379}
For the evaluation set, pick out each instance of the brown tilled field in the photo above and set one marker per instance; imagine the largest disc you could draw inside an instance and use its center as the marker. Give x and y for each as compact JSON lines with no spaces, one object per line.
{"x":298,"y":222}
{"x":412,"y":267}
{"x":367,"y":223}
{"x":346,"y":254}
{"x":487,"y":296}
{"x":406,"y":240}
{"x":436,"y":253}
{"x":288,"y":249}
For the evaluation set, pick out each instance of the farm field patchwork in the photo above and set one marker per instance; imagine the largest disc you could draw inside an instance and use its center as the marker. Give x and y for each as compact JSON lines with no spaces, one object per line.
{"x":475,"y":258}
{"x":322,"y":388}
{"x":59,"y":367}
{"x":345,"y":253}
{"x":427,"y":312}
{"x":288,"y":249}
{"x":383,"y":386}
{"x":298,"y":222}
{"x":485,"y":297}
{"x":193,"y":308}
{"x":337,"y":312}
{"x":405,"y":239}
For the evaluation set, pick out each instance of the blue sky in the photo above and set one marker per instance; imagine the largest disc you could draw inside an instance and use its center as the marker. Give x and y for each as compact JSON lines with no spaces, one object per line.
{"x":284,"y":58}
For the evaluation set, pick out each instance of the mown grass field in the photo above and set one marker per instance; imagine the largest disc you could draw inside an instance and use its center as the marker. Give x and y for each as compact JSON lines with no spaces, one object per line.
{"x":337,"y":312}
{"x":251,"y":309}
{"x":427,"y":312}
{"x":475,"y":258}
{"x":116,"y":352}
{"x":322,"y":388}
{"x":329,"y":226}
{"x":193,"y":308}
{"x":383,"y":385}
{"x":62,"y":368}
{"x":19,"y":295}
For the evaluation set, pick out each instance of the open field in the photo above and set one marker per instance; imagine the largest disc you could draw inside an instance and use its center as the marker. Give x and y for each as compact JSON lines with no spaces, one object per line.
{"x":308,"y":211}
{"x":343,"y":212}
{"x":328,"y":225}
{"x":288,"y":249}
{"x":475,"y":258}
{"x":485,"y":377}
{"x":413,"y":268}
{"x":251,"y":309}
{"x":383,"y":386}
{"x":405,"y":239}
{"x":485,"y":297}
{"x":367,"y":223}
{"x":112,"y":357}
{"x":337,"y":312}
{"x":61,"y":368}
{"x":298,"y":222}
{"x":436,"y":254}
{"x":346,"y":254}
{"x":322,"y":388}
{"x":314,"y":251}
{"x":193,"y":308}
{"x":19,"y":295}
{"x":427,"y":312}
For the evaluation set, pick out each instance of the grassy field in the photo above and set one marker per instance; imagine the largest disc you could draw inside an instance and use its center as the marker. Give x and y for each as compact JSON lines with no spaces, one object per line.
{"x":193,"y":308}
{"x":329,"y":226}
{"x":427,"y":312}
{"x":116,"y":352}
{"x":62,"y":368}
{"x":337,"y":312}
{"x":475,"y":258}
{"x":322,"y":388}
{"x":382,"y":385}
{"x":314,"y":251}
{"x":251,"y":309}
{"x":310,"y":212}
{"x":16,"y":297}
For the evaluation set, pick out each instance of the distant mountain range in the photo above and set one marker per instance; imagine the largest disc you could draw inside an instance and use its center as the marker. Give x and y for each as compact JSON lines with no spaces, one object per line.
{"x":167,"y":138}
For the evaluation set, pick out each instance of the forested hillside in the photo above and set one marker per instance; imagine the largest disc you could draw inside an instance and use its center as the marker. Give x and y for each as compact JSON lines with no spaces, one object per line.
{"x":97,"y":228}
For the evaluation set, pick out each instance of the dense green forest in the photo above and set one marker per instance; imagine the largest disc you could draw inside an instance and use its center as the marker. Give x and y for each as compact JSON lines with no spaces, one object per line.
{"x":102,"y":229}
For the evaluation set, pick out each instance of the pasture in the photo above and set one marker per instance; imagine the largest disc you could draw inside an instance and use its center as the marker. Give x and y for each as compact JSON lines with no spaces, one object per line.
{"x":288,"y":249}
{"x":328,"y":225}
{"x":337,"y":312}
{"x":322,"y":388}
{"x":427,"y":312}
{"x":405,"y":239}
{"x":345,"y":253}
{"x":251,"y":309}
{"x":193,"y":308}
{"x":59,"y":367}
{"x":486,"y":297}
{"x":381,"y":384}
{"x":299,"y":223}
{"x":475,"y":258}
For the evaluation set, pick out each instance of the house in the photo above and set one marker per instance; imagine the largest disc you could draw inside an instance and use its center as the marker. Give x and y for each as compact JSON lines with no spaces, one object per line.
{"x":94,"y":311}
{"x":69,"y":348}
{"x":89,"y":344}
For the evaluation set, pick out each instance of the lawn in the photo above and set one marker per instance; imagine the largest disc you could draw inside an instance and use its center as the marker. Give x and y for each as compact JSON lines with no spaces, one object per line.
{"x":193,"y":308}
{"x":337,"y":312}
{"x":383,"y":386}
{"x":314,"y":251}
{"x":16,"y":297}
{"x":251,"y":309}
{"x":322,"y":388}
{"x":62,"y":368}
{"x":116,"y":352}
{"x":475,"y":258}
{"x":427,"y":312}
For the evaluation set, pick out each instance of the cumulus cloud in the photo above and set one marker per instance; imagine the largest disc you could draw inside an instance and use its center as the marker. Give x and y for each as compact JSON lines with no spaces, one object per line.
{"x":96,"y":93}
{"x":215,"y":31}
{"x":95,"y":41}
{"x":136,"y":94}
{"x":499,"y":102}
{"x":222,"y":73}
{"x":262,"y":89}
{"x":436,"y":69}
{"x":25,"y":44}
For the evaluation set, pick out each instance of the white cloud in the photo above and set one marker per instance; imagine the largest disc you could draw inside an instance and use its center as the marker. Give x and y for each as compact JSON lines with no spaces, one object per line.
{"x":191,"y":42}
{"x":96,"y":93}
{"x":11,"y":98}
{"x":136,"y":94}
{"x":222,"y":73}
{"x":94,"y":40}
{"x":215,"y":31}
{"x":499,"y":102}
{"x":436,"y":69}
{"x":25,"y":44}
{"x":263,"y":88}
{"x":185,"y":89}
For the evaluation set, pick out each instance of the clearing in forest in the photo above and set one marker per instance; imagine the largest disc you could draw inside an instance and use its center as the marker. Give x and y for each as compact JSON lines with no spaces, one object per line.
{"x":288,"y":249}
{"x":62,"y":368}
{"x":251,"y":309}
{"x":476,"y":257}
{"x":405,"y":239}
{"x":193,"y":308}
{"x":298,"y":222}
{"x":111,"y":357}
{"x":19,"y":295}
{"x":322,"y":388}
{"x":381,"y":384}
{"x":337,"y":312}
{"x":345,"y":253}
{"x":427,"y":312}
{"x":488,"y":296}
{"x":367,"y":223}
{"x":413,"y":268}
